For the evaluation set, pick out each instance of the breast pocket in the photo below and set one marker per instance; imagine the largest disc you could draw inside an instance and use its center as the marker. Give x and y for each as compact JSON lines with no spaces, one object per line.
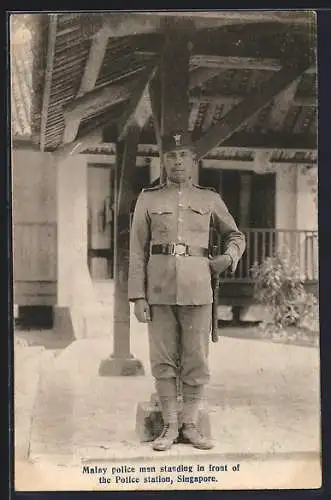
{"x":198,"y":218}
{"x":162,"y":220}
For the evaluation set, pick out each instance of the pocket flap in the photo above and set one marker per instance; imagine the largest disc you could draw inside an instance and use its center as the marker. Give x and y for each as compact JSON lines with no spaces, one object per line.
{"x":199,"y":210}
{"x":161,"y":211}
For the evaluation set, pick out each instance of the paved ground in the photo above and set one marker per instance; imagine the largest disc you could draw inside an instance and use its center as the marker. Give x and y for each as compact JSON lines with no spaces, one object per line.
{"x":263,"y":401}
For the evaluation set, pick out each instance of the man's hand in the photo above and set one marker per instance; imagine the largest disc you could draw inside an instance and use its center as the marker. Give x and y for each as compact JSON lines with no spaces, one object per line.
{"x":220,"y":264}
{"x":142,"y":311}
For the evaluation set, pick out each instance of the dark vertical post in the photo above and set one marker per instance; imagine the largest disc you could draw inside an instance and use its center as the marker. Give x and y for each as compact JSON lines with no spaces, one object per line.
{"x":155,"y":97}
{"x":121,"y":361}
{"x":174,"y":75}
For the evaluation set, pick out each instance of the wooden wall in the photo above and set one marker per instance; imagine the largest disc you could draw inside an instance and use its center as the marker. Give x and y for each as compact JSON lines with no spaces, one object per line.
{"x":34,"y":209}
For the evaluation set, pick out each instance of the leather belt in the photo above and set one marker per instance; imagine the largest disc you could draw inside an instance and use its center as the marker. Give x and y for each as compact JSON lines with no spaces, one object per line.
{"x":179,"y":249}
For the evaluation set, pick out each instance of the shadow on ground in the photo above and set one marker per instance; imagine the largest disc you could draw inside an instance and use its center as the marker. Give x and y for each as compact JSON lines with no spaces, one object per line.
{"x":49,"y":339}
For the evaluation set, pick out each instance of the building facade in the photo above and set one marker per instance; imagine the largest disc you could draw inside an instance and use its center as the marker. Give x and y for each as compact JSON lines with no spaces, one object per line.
{"x":64,"y":202}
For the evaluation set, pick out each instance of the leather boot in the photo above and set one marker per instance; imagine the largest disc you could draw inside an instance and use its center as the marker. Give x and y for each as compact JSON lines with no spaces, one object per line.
{"x":167,"y":392}
{"x":190,"y":434}
{"x":192,"y":398}
{"x":167,"y":437}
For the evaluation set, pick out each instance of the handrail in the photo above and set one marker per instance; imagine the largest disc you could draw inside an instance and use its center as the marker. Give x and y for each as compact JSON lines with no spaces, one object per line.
{"x":278,"y":230}
{"x":261,"y":243}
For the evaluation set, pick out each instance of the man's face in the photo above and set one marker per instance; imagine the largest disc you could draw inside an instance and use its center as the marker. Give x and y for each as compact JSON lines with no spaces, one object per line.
{"x":178,"y":165}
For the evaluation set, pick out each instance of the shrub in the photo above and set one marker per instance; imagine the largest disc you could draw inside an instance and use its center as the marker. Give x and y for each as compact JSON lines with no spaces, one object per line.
{"x":278,"y":286}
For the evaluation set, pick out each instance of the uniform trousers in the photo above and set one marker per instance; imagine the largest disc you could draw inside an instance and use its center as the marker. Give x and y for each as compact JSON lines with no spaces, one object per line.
{"x":179,"y":342}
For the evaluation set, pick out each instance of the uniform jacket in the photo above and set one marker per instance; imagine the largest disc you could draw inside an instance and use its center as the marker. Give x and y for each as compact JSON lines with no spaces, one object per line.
{"x":176,"y":214}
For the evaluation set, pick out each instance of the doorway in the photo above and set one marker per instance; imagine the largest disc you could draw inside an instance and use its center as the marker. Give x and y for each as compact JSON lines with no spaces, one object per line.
{"x":100,"y":222}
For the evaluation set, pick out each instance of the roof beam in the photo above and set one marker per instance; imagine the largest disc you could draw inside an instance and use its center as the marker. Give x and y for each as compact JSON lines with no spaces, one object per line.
{"x":194,"y":113}
{"x":239,"y":164}
{"x":233,"y":62}
{"x":217,"y":99}
{"x":100,"y":98}
{"x":208,"y":118}
{"x":199,"y":76}
{"x":291,"y":99}
{"x":66,"y":150}
{"x":240,"y":63}
{"x":92,"y":102}
{"x":268,"y":141}
{"x":154,"y":90}
{"x":139,"y":116}
{"x":138,"y":110}
{"x":90,"y":140}
{"x":89,"y":78}
{"x":255,"y":100}
{"x":128,"y":24}
{"x":282,"y":103}
{"x":94,"y":61}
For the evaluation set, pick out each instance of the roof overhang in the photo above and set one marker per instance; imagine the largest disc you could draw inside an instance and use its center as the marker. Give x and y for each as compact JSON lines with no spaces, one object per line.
{"x":95,"y":58}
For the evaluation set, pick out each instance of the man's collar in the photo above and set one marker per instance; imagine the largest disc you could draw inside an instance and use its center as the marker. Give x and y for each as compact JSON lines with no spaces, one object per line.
{"x":175,"y":185}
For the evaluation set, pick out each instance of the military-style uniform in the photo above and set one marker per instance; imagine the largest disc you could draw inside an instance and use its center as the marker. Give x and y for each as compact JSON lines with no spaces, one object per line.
{"x":169,"y":267}
{"x":170,"y":270}
{"x":170,"y":214}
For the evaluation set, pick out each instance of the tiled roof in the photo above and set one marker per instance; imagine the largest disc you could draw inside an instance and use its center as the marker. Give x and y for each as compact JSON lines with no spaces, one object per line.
{"x":21,"y":61}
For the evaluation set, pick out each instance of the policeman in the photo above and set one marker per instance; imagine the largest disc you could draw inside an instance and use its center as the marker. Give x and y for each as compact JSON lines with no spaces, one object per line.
{"x":170,"y":274}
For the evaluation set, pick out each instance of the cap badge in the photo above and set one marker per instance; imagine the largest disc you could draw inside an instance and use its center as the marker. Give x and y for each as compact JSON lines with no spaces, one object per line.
{"x":177,"y":138}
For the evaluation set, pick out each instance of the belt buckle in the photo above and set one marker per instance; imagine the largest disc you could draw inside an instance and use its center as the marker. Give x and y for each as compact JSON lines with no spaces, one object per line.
{"x":179,"y":249}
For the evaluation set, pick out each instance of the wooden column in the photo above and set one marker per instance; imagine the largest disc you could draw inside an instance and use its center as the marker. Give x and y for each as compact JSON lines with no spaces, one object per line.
{"x":155,"y":98}
{"x":122,"y":362}
{"x":169,"y":89}
{"x":174,"y":73}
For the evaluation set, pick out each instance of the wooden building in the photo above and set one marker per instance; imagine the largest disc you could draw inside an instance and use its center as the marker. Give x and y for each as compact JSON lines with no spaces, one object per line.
{"x":101,"y":89}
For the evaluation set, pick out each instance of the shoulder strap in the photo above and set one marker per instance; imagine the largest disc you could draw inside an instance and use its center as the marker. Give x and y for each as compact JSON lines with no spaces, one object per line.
{"x":204,"y":187}
{"x":154,"y":188}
